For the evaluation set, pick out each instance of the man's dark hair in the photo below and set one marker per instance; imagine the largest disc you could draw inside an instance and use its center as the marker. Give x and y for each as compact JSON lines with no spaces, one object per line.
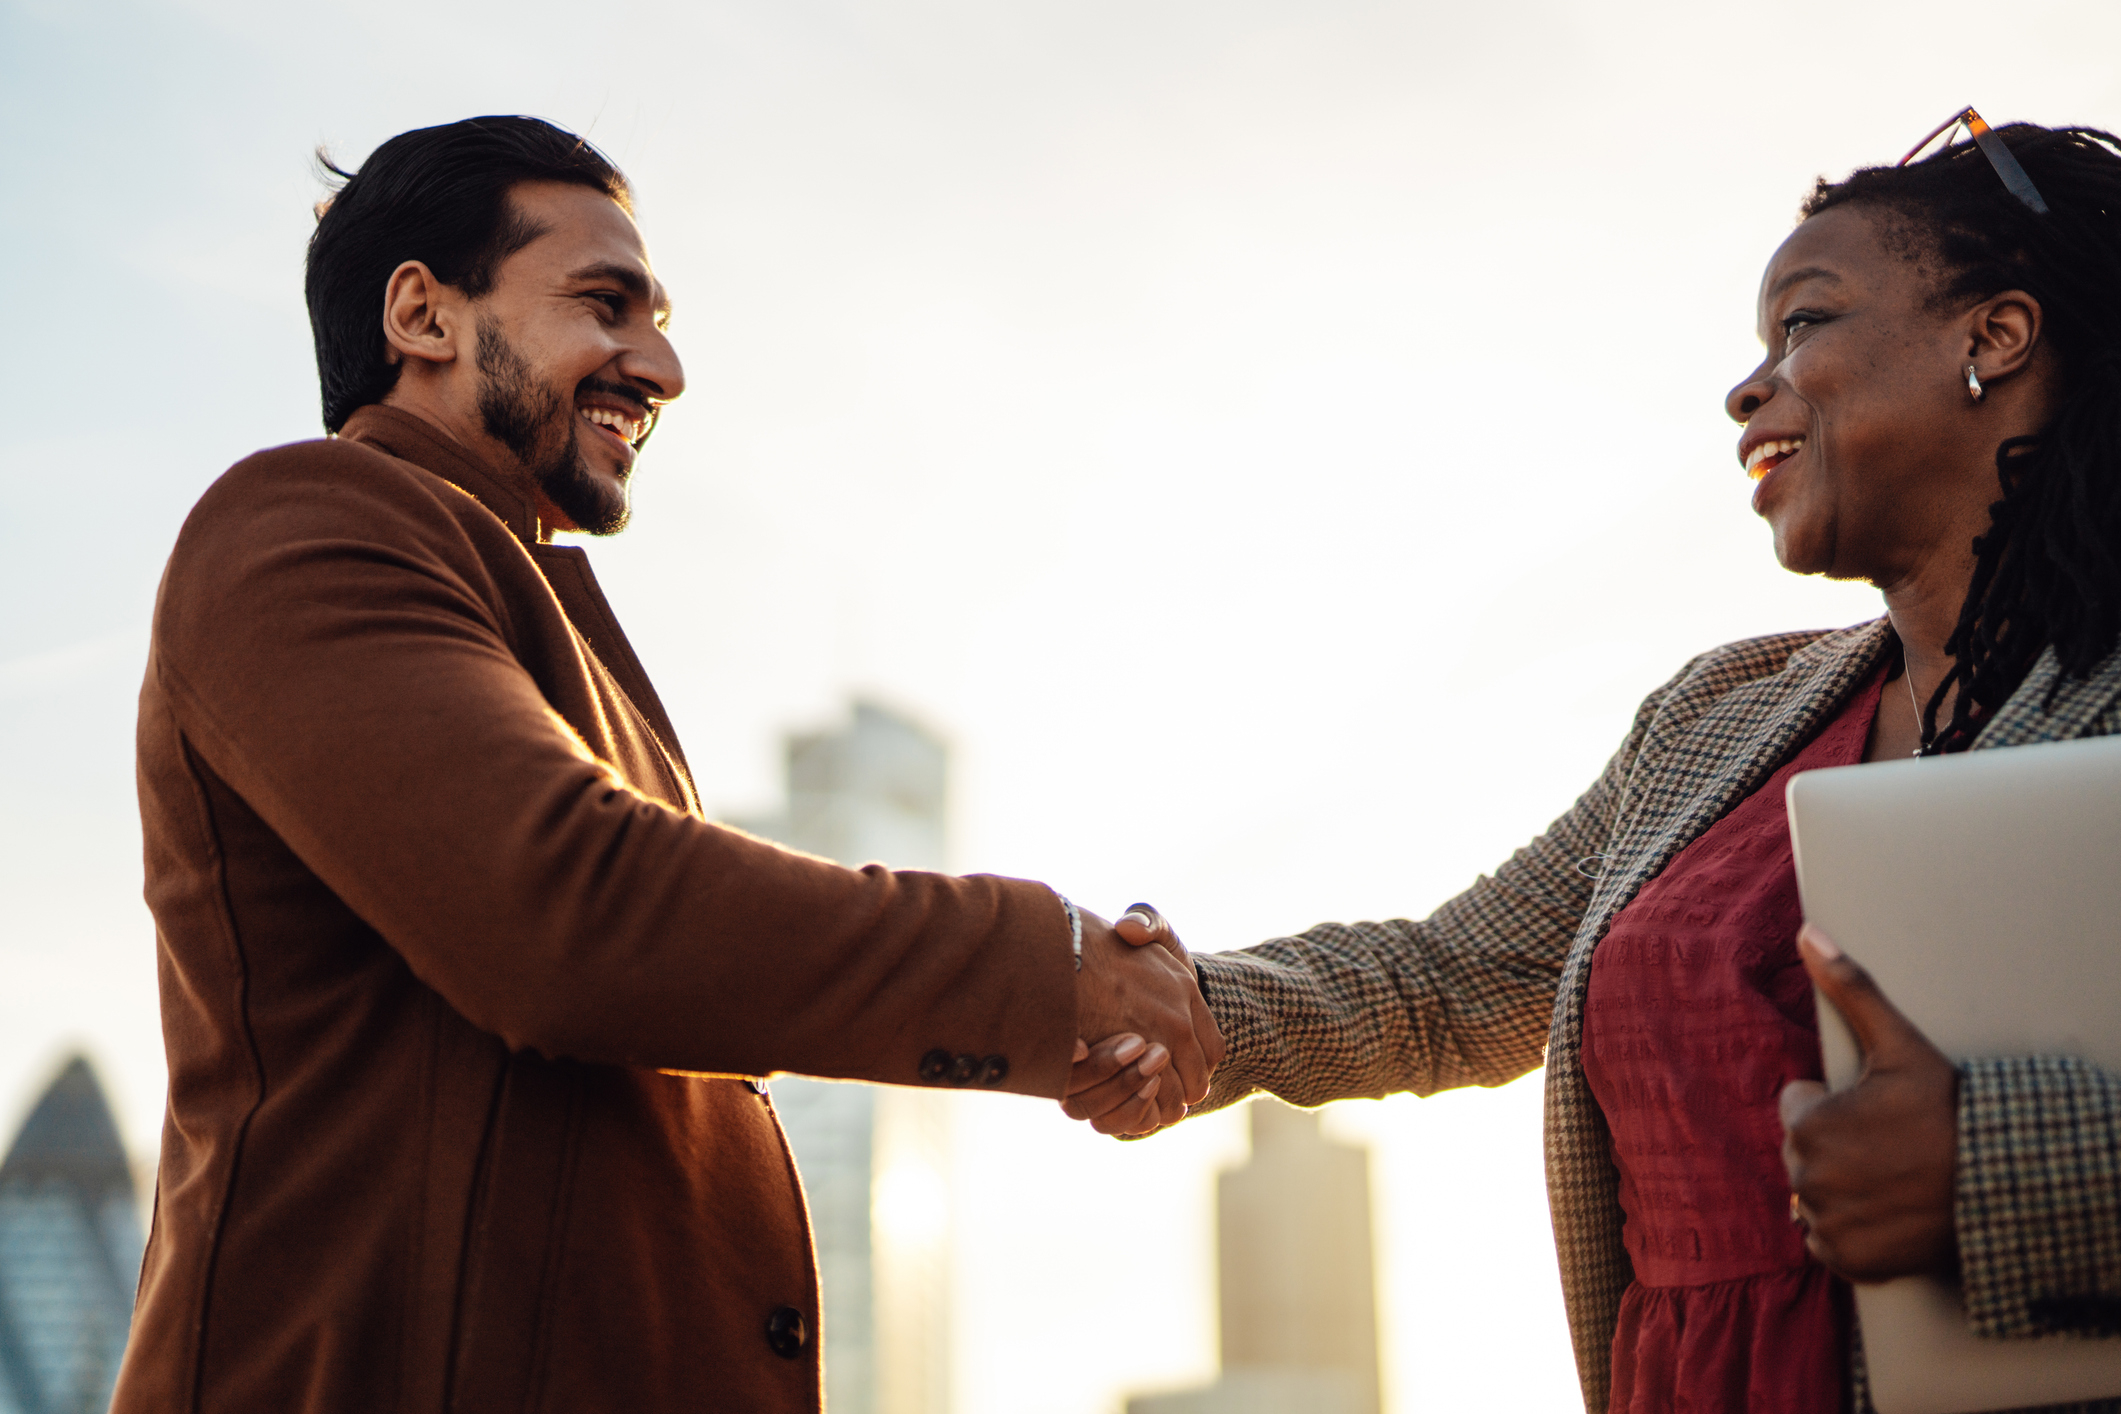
{"x":2047,"y":574}
{"x":440,"y":196}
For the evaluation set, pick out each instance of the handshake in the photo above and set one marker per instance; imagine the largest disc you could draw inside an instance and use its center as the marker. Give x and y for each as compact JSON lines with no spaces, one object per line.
{"x":1138,"y":991}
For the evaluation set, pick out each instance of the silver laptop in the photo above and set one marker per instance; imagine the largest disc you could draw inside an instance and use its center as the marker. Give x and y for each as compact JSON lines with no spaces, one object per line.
{"x":1983,"y":892}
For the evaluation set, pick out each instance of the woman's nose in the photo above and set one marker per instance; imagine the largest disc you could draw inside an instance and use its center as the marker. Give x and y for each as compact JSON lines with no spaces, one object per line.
{"x":1748,"y":397}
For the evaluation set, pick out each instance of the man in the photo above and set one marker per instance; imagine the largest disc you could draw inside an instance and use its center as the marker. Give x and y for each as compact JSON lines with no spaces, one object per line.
{"x":461,"y":994}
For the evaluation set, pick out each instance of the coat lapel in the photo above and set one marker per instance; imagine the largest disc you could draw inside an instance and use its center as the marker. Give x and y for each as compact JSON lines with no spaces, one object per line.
{"x":574,"y":584}
{"x":1684,"y":779}
{"x":564,"y":567}
{"x":1723,"y":755}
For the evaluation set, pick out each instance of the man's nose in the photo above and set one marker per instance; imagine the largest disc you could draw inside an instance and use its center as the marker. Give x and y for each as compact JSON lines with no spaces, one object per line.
{"x":652,"y":365}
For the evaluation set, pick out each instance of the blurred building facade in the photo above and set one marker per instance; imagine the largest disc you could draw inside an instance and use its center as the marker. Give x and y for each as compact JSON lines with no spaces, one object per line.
{"x":69,"y":1252}
{"x":1294,"y":1277}
{"x":874,"y":1161}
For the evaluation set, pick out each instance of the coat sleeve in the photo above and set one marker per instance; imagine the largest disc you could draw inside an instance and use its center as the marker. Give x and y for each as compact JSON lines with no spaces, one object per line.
{"x":337,"y":648}
{"x":1462,"y":997}
{"x":2038,"y":1200}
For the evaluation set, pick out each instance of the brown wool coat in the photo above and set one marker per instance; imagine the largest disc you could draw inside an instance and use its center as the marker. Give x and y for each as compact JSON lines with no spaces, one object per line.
{"x":437,"y":915}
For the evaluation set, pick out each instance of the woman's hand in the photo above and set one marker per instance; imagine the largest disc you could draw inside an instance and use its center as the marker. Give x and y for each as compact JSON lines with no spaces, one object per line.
{"x":1872,"y":1165}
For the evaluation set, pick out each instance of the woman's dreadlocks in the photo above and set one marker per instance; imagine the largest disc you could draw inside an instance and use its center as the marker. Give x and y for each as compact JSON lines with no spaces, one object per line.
{"x":2048,"y":571}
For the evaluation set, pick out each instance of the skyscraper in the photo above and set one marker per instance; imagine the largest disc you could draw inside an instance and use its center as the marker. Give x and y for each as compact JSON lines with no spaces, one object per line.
{"x":1299,"y":1306}
{"x":874,"y":1161}
{"x":69,"y":1253}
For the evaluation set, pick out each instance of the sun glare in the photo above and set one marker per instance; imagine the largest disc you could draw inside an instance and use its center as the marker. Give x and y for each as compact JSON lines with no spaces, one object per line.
{"x":911,"y":1206}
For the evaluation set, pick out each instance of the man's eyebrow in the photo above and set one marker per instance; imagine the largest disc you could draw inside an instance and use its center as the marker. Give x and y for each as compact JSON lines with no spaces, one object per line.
{"x":1809,"y":272}
{"x":628,"y":278}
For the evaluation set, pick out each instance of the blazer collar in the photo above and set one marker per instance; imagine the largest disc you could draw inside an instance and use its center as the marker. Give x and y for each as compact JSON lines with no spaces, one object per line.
{"x":416,"y":440}
{"x":2077,"y":706}
{"x":1755,"y":726}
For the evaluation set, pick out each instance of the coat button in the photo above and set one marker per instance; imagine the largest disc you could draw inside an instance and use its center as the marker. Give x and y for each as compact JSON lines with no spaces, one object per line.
{"x":994,"y":1070}
{"x":935,"y":1066}
{"x":963,"y":1069}
{"x":786,"y":1333}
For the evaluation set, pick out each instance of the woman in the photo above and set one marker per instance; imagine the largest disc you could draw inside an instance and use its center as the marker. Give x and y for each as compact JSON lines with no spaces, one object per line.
{"x":1932,"y":330}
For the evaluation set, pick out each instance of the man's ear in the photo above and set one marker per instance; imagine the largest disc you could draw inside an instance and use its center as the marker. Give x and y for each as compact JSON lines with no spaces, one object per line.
{"x":2002,"y":333}
{"x":423,"y":318}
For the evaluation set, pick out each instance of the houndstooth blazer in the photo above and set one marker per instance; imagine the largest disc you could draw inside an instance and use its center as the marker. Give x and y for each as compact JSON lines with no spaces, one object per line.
{"x":1494,"y":981}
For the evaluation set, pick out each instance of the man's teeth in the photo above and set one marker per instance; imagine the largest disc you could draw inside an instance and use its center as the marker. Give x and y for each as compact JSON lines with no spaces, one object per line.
{"x":627,"y":427}
{"x":1761,"y":453}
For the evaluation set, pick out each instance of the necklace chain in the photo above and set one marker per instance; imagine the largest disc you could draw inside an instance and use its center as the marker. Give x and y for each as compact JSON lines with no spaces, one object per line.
{"x":1907,"y":670}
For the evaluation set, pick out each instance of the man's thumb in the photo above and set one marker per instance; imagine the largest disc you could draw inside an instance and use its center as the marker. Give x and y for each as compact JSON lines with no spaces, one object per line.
{"x":1878,"y":1025}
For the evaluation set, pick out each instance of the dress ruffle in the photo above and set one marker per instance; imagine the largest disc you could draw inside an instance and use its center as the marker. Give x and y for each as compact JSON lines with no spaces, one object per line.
{"x":1775,"y":1341}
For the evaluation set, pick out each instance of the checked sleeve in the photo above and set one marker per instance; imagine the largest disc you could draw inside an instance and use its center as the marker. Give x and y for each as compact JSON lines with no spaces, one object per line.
{"x":1462,"y":997}
{"x":2038,"y":1203}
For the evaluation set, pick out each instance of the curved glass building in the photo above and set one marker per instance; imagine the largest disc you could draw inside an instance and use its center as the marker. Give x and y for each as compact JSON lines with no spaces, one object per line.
{"x":69,"y":1252}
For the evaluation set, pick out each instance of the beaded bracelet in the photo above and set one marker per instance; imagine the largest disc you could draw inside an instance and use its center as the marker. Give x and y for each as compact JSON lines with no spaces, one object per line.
{"x":1075,"y":928}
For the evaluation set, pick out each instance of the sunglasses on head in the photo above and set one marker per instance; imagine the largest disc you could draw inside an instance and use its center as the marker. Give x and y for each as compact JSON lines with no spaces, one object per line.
{"x":1999,"y":156}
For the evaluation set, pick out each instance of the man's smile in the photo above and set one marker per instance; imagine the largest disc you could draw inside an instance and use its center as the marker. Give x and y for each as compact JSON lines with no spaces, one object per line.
{"x":613,"y":418}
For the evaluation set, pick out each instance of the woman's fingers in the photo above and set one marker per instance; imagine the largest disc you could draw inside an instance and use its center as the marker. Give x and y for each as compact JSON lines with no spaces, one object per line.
{"x":1140,"y":1115}
{"x":1873,"y":1164}
{"x":1094,"y":1065}
{"x":1120,"y":1089}
{"x":1170,"y":1102}
{"x":1113,"y":1078}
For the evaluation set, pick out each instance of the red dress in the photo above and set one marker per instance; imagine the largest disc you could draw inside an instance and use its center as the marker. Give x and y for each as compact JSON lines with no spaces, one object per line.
{"x":1699,"y":1013}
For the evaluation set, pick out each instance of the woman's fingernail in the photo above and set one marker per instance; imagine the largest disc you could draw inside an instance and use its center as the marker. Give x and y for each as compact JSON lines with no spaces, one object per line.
{"x":1082,"y":1049}
{"x":1128,"y":1049}
{"x":1156,"y":1060}
{"x":1819,"y":943}
{"x":1142,"y":918}
{"x":1148,"y":1092}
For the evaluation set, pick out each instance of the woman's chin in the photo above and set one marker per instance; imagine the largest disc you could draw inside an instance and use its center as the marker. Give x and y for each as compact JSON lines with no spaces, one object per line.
{"x":1797,"y":552}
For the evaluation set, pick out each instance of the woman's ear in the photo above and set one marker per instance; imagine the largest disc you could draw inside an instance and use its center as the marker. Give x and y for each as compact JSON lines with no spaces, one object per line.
{"x":2002,"y":332}
{"x":421,"y":315}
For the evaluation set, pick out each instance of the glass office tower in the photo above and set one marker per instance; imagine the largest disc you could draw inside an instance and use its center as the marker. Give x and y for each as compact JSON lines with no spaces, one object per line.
{"x":69,"y":1252}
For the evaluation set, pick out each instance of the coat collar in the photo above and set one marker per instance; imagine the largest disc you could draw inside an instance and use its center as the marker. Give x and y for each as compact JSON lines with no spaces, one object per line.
{"x":416,"y":440}
{"x":2075,"y":710}
{"x":1771,"y":716}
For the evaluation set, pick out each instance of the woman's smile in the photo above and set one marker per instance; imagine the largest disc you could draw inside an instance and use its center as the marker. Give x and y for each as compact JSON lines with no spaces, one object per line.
{"x":1762,"y":458}
{"x":1766,"y":456}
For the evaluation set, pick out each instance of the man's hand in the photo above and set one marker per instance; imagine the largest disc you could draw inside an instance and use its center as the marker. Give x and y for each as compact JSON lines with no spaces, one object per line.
{"x":1872,"y":1165}
{"x":1127,"y":1083}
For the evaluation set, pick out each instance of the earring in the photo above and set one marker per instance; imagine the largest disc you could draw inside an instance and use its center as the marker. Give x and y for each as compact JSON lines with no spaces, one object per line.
{"x":1973,"y":384}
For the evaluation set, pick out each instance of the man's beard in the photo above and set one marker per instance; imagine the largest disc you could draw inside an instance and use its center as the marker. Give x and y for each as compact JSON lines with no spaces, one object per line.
{"x":537,"y":423}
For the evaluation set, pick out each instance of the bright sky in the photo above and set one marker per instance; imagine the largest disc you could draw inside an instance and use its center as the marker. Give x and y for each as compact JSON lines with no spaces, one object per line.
{"x":1276,"y":441}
